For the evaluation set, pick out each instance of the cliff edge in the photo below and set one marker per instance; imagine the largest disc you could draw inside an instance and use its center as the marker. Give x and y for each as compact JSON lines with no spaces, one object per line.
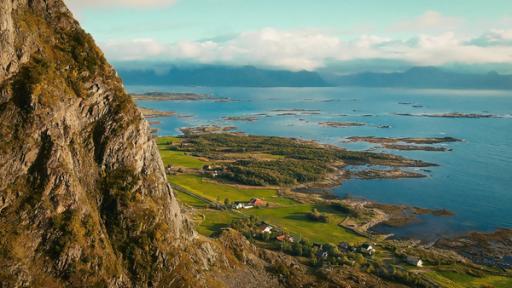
{"x":84,"y":199}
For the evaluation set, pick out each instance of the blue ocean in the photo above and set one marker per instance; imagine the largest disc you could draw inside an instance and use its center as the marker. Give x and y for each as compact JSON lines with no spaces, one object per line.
{"x":474,"y":180}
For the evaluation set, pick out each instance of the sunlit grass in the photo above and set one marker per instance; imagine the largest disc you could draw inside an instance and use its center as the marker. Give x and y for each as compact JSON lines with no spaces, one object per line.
{"x":294,"y":220}
{"x":211,"y":221}
{"x":181,"y":159}
{"x":218,"y":192}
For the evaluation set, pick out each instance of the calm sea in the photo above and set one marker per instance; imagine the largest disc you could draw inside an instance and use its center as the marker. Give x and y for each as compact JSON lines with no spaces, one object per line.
{"x":474,"y":180}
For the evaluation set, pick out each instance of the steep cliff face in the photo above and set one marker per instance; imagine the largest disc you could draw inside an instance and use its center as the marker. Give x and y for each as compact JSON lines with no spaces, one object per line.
{"x":84,"y":200}
{"x":83,"y":194}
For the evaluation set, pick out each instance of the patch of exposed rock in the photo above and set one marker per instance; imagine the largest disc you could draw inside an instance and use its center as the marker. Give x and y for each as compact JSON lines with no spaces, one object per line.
{"x":83,"y":196}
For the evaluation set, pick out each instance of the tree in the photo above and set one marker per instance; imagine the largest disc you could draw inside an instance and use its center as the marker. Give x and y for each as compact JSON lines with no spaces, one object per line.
{"x":297,"y":249}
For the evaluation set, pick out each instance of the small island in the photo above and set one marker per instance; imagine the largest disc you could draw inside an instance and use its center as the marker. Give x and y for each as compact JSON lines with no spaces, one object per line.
{"x":152,"y":113}
{"x":411,"y":140}
{"x":386,"y":174}
{"x":341,"y":124}
{"x":248,"y":118}
{"x":415,"y":148}
{"x":207,"y":129}
{"x":295,"y":112}
{"x":450,"y":115}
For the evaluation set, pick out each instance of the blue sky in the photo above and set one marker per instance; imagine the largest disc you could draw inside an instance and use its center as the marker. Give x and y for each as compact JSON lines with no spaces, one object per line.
{"x":297,"y":34}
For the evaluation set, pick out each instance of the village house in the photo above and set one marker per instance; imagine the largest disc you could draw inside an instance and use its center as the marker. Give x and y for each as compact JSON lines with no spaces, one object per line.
{"x":264,"y":228}
{"x":242,"y":205}
{"x":367,"y":249}
{"x":248,"y":205}
{"x":207,"y":167}
{"x":168,"y":170}
{"x":257,"y":202}
{"x":209,"y":171}
{"x":212,"y":171}
{"x":322,"y":254}
{"x":285,"y":237}
{"x":414,"y":261}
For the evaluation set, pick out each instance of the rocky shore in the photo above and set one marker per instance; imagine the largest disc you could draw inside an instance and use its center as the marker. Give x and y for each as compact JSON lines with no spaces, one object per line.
{"x":415,"y":148}
{"x":491,"y":249}
{"x":386,"y":174}
{"x":208,"y":129}
{"x":152,"y":113}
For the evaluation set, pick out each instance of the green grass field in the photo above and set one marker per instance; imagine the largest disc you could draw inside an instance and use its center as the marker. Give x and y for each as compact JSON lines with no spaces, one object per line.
{"x":181,"y":159}
{"x":218,"y":192}
{"x":294,"y":220}
{"x":451,"y":279}
{"x":167,"y":140}
{"x":290,"y":216}
{"x":189,"y":200}
{"x":212,"y":221}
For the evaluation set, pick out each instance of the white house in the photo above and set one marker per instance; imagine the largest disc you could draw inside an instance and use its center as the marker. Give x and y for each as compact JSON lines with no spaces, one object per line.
{"x":266,"y":229}
{"x":367,"y":249}
{"x":322,"y":255}
{"x":242,"y":205}
{"x":414,"y":261}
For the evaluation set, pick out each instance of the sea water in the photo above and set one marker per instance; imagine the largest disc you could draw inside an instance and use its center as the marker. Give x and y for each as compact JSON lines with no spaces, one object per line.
{"x":474,"y":180}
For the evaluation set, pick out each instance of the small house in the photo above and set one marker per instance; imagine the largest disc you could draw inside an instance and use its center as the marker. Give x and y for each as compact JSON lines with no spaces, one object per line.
{"x":414,"y":261}
{"x":284,"y":237}
{"x":265,"y":228}
{"x":242,"y":205}
{"x":322,"y":254}
{"x":367,"y":249}
{"x":257,"y":202}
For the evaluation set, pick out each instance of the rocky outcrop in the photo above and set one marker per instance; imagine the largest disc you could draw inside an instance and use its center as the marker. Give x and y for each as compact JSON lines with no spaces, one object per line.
{"x":84,"y":200}
{"x":7,"y":57}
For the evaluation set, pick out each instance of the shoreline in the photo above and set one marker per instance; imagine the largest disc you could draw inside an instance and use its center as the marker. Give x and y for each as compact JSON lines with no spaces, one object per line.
{"x":361,"y":216}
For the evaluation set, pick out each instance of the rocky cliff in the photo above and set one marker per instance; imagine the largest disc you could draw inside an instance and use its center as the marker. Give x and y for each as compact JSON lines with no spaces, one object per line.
{"x":84,"y":199}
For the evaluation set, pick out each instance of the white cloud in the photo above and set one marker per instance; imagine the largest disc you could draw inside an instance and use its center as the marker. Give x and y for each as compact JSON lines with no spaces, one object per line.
{"x":437,"y":42}
{"x":294,"y":50}
{"x":310,"y":50}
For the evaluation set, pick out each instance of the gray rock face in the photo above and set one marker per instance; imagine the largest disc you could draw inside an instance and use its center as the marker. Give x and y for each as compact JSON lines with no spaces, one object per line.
{"x":6,"y":39}
{"x":84,"y":199}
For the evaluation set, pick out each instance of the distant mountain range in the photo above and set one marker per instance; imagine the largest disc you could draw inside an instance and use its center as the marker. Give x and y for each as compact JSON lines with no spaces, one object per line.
{"x":249,"y":76}
{"x":427,"y":77}
{"x":246,"y":76}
